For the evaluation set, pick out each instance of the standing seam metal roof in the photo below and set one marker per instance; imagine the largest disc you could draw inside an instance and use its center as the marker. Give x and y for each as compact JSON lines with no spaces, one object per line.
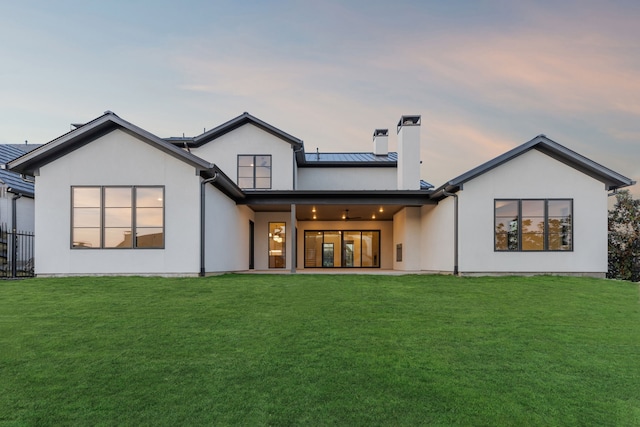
{"x":315,"y":158}
{"x":13,"y":180}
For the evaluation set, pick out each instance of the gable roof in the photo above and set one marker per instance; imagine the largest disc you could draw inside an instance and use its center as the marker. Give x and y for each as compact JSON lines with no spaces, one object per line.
{"x":13,"y":180}
{"x":611,"y":179}
{"x":241,"y":120}
{"x":109,"y":121}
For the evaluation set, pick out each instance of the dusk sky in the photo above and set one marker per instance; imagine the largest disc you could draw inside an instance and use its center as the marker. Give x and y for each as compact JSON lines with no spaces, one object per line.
{"x":486,"y":76}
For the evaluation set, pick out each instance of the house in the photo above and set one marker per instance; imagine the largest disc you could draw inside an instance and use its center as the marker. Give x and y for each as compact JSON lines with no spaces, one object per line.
{"x":16,"y":192}
{"x":16,"y":216}
{"x":115,"y":199}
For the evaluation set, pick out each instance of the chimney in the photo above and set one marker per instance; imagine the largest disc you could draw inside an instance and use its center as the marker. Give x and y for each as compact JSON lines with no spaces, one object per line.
{"x":409,"y":153}
{"x":381,"y":142}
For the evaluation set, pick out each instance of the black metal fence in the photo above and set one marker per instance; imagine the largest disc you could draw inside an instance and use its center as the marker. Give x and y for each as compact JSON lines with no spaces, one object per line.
{"x":16,"y":253}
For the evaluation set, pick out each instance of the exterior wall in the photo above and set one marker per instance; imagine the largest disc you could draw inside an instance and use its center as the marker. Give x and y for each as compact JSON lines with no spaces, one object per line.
{"x":249,"y":139}
{"x":409,"y":158}
{"x":24,"y":211}
{"x":407,"y":232}
{"x":347,"y":178}
{"x":25,"y":215}
{"x":226,"y":233}
{"x":533,"y":175}
{"x":437,"y":221}
{"x":117,"y":159}
{"x":386,"y":237}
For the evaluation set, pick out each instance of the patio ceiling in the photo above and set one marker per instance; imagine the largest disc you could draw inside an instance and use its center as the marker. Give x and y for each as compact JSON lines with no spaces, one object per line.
{"x":334,"y":212}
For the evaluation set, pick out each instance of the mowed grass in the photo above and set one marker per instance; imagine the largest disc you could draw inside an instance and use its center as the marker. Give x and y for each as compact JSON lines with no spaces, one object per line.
{"x":319,"y":350}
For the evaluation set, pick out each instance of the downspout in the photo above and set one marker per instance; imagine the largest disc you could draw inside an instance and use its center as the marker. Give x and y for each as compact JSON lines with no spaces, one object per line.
{"x":14,"y":237}
{"x":202,"y":220}
{"x":455,"y":230}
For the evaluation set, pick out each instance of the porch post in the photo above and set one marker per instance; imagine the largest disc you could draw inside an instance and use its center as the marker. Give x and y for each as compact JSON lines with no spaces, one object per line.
{"x":294,"y":238}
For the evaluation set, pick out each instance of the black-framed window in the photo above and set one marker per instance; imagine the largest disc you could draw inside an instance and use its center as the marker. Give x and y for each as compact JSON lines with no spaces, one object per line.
{"x":533,"y":225}
{"x":342,"y":248}
{"x":117,"y":217}
{"x":277,"y":245}
{"x":254,"y":171}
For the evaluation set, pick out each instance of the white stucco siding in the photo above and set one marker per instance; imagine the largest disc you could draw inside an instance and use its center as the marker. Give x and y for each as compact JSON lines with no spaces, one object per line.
{"x":227,"y":233}
{"x":407,"y":232}
{"x":533,"y":175}
{"x":408,"y":177}
{"x":386,"y":237}
{"x":437,"y":253}
{"x":24,"y":211}
{"x":314,"y":178}
{"x":117,"y":159}
{"x":25,"y":215}
{"x":249,"y":139}
{"x":5,"y":206}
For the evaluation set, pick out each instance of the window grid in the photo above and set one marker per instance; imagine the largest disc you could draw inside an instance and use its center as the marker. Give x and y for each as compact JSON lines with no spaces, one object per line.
{"x":254,"y":171}
{"x":516,"y":229}
{"x":118,"y":217}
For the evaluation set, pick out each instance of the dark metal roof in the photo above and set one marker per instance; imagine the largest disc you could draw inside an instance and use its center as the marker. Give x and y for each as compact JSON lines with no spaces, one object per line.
{"x":25,"y":148}
{"x":610,"y":178}
{"x":349,"y":160}
{"x":232,"y":124}
{"x":13,"y":180}
{"x":424,"y":185}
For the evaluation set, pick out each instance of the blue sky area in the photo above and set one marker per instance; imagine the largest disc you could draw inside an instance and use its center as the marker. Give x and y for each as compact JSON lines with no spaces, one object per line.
{"x":486,"y":76}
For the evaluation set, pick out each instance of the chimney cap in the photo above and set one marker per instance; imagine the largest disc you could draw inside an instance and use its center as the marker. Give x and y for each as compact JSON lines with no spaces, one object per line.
{"x":380,"y":132}
{"x":413,"y":120}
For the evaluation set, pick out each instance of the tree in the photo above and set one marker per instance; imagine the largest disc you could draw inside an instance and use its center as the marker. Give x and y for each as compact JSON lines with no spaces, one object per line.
{"x":624,"y":238}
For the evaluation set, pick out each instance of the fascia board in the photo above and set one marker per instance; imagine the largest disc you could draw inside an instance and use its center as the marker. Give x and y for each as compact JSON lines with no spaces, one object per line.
{"x":92,"y":130}
{"x":551,"y":148}
{"x":239,"y":121}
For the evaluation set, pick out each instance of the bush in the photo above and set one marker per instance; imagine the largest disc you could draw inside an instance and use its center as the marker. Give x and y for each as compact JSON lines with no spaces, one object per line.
{"x":624,"y":238}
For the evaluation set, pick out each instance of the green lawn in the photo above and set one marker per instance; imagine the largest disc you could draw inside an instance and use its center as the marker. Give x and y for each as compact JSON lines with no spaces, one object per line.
{"x":319,"y":350}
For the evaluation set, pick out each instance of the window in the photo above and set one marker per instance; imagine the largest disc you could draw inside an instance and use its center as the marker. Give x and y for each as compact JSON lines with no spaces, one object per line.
{"x":254,"y":171}
{"x":117,"y":217}
{"x":277,"y":245}
{"x":337,"y":248}
{"x":534,"y":225}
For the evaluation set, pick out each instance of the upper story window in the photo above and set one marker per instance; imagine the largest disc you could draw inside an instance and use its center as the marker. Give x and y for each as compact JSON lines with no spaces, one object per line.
{"x":117,"y":217}
{"x":254,"y":171}
{"x":533,"y":225}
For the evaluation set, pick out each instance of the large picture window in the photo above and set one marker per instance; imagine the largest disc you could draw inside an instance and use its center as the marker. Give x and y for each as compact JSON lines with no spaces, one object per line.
{"x":117,"y":217}
{"x":254,"y":171}
{"x":533,"y":225}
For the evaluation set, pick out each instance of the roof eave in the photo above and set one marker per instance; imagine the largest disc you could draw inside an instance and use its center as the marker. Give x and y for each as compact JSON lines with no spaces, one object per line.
{"x":30,"y":162}
{"x":610,"y":178}
{"x":24,"y":193}
{"x":239,"y":121}
{"x":223,"y":183}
